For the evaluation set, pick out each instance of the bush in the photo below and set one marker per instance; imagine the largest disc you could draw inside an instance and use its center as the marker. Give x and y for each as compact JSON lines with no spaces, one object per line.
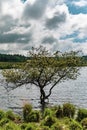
{"x":47,"y":112}
{"x":2,"y":114}
{"x":67,"y":120}
{"x":30,"y":127}
{"x":49,"y":121}
{"x":23,"y":126}
{"x":11,"y":126}
{"x":84,"y":123}
{"x":68,"y":110}
{"x":1,"y":128}
{"x":59,"y":126}
{"x":4,"y":121}
{"x":34,"y":116}
{"x":59,"y":112}
{"x":18,"y":119}
{"x":43,"y":128}
{"x":82,"y":113}
{"x":10,"y":115}
{"x":26,"y":111}
{"x":75,"y":125}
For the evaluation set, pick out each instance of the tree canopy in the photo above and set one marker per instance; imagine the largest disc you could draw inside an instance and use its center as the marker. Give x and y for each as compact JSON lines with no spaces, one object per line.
{"x":45,"y":69}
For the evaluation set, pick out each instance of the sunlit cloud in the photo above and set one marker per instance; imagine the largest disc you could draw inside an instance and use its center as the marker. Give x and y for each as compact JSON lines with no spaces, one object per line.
{"x":51,"y":23}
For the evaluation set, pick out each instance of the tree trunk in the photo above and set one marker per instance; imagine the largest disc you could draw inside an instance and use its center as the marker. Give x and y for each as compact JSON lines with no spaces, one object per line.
{"x":42,"y":99}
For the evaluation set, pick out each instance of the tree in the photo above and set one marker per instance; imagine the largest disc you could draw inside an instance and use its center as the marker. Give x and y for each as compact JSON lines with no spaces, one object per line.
{"x":44,"y":69}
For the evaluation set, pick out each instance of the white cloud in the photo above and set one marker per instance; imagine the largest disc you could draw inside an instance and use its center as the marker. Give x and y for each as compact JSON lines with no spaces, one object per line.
{"x":12,"y":7}
{"x":39,"y":22}
{"x":80,"y":3}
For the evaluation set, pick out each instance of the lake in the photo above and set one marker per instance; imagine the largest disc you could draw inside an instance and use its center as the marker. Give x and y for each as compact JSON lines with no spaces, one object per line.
{"x":73,"y":91}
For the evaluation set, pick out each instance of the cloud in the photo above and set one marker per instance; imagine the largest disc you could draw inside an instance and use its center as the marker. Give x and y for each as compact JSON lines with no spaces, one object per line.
{"x":7,"y":23}
{"x":80,"y":3}
{"x":55,"y":22}
{"x":12,"y":32}
{"x":49,"y":40}
{"x":36,"y":10}
{"x":12,"y":7}
{"x":15,"y":38}
{"x":42,"y":22}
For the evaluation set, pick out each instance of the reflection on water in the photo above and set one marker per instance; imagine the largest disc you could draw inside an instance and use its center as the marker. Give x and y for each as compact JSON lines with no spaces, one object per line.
{"x":74,"y":91}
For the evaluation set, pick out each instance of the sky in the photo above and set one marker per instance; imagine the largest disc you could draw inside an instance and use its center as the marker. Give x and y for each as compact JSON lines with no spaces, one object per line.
{"x":59,"y":25}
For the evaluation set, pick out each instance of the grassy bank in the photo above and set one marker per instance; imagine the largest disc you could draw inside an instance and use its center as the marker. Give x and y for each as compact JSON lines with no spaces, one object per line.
{"x":63,"y":117}
{"x":10,"y":65}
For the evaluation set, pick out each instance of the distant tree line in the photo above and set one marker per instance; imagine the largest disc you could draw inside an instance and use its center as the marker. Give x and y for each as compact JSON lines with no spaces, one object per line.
{"x":84,"y":60}
{"x":12,"y":58}
{"x":22,"y":58}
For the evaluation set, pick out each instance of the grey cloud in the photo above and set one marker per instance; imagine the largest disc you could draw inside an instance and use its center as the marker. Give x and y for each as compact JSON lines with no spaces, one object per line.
{"x":4,"y":51}
{"x":25,"y":25}
{"x":36,"y":10}
{"x":0,"y":7}
{"x":49,"y":40}
{"x":28,"y":47}
{"x":15,"y":38}
{"x":7,"y":23}
{"x":54,"y":22}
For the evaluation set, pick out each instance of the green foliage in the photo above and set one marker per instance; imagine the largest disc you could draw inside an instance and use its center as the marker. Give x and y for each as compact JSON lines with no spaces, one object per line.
{"x":82,"y":113}
{"x":59,"y":112}
{"x":10,"y":65}
{"x":10,"y":115}
{"x":75,"y":125}
{"x":11,"y":126}
{"x":30,"y":127}
{"x":49,"y":121}
{"x":84,"y":123}
{"x":68,"y":110}
{"x":43,"y":128}
{"x":84,"y":61}
{"x":59,"y":126}
{"x":26,"y":111}
{"x":33,"y":116}
{"x":2,"y":114}
{"x":1,"y":128}
{"x":18,"y":119}
{"x":48,"y":112}
{"x":23,"y":126}
{"x":12,"y":58}
{"x":4,"y":121}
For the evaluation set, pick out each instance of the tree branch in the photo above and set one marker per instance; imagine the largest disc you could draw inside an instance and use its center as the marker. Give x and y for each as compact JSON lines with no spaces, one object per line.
{"x":61,"y":77}
{"x":50,"y":91}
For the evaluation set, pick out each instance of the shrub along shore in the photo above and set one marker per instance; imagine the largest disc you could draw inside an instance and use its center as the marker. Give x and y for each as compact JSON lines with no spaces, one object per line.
{"x":65,"y":117}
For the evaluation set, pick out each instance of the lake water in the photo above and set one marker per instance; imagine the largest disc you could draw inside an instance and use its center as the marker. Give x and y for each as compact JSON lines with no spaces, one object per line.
{"x":73,"y":91}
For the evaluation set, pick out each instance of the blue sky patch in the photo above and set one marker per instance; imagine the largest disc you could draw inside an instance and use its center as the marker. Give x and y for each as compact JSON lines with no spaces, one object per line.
{"x":76,"y":9}
{"x":77,"y":40}
{"x":73,"y":35}
{"x":23,"y":1}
